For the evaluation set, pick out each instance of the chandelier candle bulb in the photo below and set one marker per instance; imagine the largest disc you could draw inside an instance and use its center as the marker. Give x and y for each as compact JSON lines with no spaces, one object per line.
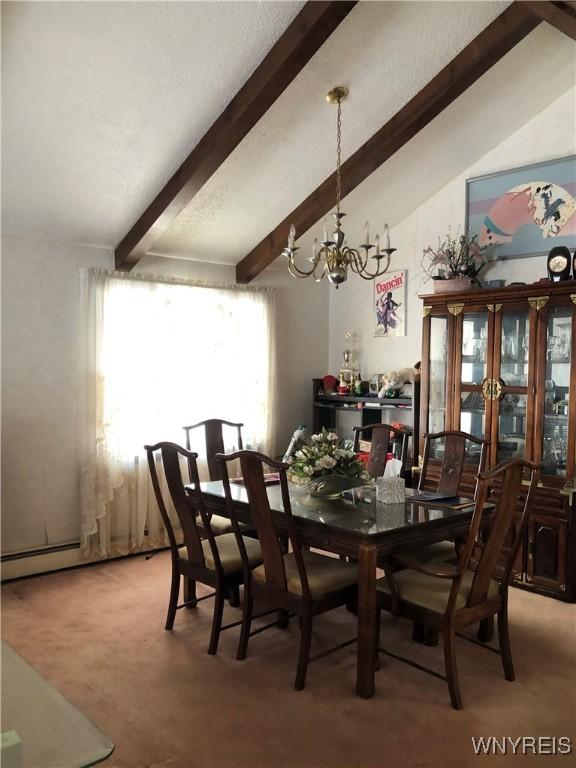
{"x":377,"y":241}
{"x":386,"y":237}
{"x":292,"y":237}
{"x":367,"y":233}
{"x":325,"y":231}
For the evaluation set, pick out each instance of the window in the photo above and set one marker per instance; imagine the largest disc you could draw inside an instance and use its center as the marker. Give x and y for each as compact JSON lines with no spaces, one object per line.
{"x":158,"y":355}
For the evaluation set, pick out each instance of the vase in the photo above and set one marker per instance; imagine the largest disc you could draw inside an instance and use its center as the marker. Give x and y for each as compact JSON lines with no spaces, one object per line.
{"x":331,"y":486}
{"x":454,"y":285}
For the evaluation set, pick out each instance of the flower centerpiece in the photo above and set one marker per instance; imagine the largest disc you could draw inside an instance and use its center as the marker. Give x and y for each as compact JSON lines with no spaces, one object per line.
{"x":326,"y":460}
{"x":457,"y":258}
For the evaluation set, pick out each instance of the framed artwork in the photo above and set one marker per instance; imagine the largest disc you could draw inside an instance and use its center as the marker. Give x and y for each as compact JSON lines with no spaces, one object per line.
{"x":524,"y":211}
{"x":390,"y":304}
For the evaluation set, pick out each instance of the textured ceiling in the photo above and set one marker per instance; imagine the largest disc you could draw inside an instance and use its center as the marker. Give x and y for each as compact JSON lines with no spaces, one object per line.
{"x":385,"y":53}
{"x":103,"y":101}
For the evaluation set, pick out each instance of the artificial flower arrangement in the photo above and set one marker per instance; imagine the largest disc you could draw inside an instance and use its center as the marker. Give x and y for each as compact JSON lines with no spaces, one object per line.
{"x":325,"y":454}
{"x":458,"y":256}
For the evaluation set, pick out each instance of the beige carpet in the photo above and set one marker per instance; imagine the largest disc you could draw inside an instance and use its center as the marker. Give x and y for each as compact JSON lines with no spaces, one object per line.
{"x":97,"y":635}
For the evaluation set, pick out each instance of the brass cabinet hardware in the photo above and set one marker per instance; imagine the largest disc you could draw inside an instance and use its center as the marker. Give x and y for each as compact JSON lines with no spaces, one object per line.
{"x":426,"y":309}
{"x":455,"y":309}
{"x":491,"y":389}
{"x":573,"y":297}
{"x":569,"y":490}
{"x":494,"y":307}
{"x":539,"y":484}
{"x":537,"y":302}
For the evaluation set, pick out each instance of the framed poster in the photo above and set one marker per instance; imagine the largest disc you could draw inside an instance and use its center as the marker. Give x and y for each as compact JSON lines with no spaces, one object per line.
{"x":390,"y":304}
{"x":524,"y":211}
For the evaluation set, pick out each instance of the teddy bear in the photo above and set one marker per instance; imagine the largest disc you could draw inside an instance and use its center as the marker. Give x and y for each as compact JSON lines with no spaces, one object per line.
{"x":398,"y":383}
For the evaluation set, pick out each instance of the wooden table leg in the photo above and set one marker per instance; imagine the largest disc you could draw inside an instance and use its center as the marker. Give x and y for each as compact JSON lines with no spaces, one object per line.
{"x":366,"y":621}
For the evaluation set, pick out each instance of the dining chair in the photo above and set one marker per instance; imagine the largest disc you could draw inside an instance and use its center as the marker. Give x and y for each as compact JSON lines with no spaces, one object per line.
{"x":209,"y":559}
{"x":380,"y":436}
{"x":214,"y":442}
{"x":441,"y":472}
{"x":450,"y":597}
{"x":301,"y":582}
{"x":454,"y":450}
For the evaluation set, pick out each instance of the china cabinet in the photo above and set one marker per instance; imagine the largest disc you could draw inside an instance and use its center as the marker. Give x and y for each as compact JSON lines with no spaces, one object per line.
{"x":501,"y":364}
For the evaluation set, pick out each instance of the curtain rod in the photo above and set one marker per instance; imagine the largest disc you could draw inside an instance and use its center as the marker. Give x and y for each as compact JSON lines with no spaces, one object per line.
{"x":146,"y":278}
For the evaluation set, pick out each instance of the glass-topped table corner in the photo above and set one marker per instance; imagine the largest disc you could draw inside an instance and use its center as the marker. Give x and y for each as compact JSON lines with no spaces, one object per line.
{"x":41,"y":728}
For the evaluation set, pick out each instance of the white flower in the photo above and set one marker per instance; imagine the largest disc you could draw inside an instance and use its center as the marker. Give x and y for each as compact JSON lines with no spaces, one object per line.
{"x":332,"y":436}
{"x":300,"y":454}
{"x":307,"y":470}
{"x":317,"y":438}
{"x":327,"y":462}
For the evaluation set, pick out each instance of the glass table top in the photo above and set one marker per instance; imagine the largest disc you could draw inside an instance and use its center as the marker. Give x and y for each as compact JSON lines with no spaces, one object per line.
{"x":40,"y":728}
{"x":357,"y":511}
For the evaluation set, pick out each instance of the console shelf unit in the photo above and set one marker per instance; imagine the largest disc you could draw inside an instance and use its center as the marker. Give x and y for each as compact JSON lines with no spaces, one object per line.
{"x":369,"y":410}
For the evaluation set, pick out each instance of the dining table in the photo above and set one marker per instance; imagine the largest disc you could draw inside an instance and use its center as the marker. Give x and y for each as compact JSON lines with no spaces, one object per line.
{"x":358,"y":525}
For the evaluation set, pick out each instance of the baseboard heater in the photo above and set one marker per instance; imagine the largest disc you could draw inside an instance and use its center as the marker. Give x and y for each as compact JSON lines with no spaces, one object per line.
{"x":11,"y":556}
{"x":57,"y":557}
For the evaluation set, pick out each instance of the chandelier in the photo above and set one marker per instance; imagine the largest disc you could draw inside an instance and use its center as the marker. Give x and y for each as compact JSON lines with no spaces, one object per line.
{"x":333,"y":257}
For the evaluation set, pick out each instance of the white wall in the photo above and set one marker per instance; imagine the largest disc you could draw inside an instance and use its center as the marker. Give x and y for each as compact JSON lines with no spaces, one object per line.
{"x":550,"y":134}
{"x":40,"y":309}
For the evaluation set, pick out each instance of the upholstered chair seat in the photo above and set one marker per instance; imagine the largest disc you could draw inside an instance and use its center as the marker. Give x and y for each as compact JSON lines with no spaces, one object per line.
{"x":325,"y":574}
{"x":230,"y":557}
{"x":429,"y":592}
{"x":220,"y":525}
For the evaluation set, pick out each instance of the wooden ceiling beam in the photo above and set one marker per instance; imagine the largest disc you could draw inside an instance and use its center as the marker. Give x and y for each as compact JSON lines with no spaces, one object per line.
{"x":558,"y":14}
{"x":472,"y":62}
{"x":305,"y":35}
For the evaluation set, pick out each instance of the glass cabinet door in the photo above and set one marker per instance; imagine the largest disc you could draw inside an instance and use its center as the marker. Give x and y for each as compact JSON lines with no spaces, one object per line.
{"x":511,"y":382}
{"x":473,"y":365}
{"x":438,"y":373}
{"x":557,"y":391}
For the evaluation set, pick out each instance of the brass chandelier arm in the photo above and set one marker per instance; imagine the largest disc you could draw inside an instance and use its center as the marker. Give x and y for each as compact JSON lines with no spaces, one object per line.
{"x":295,"y":272}
{"x":301,"y":273}
{"x":359,"y":265}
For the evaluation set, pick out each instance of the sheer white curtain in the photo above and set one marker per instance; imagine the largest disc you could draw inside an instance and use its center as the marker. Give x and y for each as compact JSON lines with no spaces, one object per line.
{"x":156,"y":355}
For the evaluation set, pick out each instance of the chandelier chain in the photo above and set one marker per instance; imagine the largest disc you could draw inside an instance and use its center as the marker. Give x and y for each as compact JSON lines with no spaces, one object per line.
{"x":338,"y":154}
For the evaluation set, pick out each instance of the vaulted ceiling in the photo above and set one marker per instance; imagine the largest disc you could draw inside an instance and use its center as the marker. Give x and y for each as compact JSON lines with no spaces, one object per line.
{"x":102,"y":102}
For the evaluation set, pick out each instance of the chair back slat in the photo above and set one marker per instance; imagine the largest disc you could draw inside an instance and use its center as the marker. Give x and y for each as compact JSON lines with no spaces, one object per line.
{"x":272,"y":555}
{"x":214,"y":438}
{"x":453,"y":460}
{"x":214,"y":445}
{"x":503,"y":521}
{"x":380,"y":441}
{"x":186,"y":505}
